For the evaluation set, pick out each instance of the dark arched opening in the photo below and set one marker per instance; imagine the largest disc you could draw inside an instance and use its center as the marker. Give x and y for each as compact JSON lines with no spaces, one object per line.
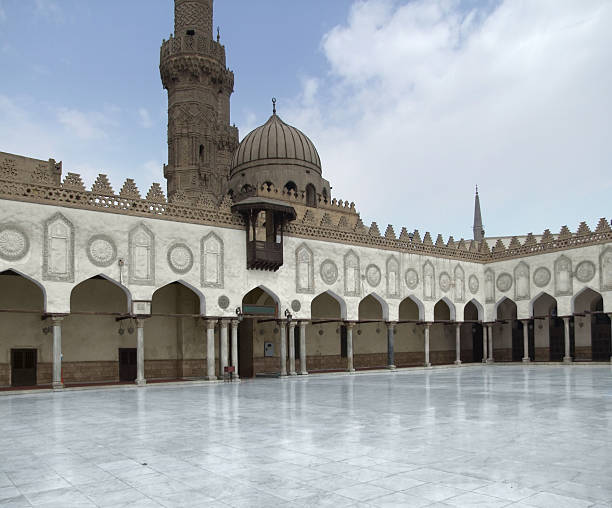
{"x":311,"y":195}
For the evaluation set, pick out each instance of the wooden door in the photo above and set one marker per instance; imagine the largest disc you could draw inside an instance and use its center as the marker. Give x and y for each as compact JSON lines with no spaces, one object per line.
{"x":245,"y":349}
{"x":600,"y":338}
{"x":23,"y":367}
{"x":127,"y":364}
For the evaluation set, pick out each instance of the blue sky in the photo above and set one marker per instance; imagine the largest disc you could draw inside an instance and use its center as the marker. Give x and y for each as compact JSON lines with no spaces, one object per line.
{"x":410,"y":103}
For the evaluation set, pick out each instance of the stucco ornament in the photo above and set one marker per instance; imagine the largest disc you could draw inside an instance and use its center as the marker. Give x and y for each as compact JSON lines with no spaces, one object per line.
{"x":101,"y":250}
{"x":296,"y":306}
{"x":180,"y":258}
{"x":14,"y":243}
{"x":445,"y":282}
{"x":223,"y":302}
{"x":541,"y":277}
{"x":329,"y":272}
{"x":474,"y":284}
{"x":504,"y":282}
{"x":585,"y":271}
{"x":412,"y":278}
{"x":373,"y":275}
{"x":605,"y":269}
{"x":564,"y":277}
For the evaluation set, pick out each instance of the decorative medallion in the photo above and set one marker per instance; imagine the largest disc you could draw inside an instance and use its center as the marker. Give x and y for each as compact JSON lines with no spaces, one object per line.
{"x":412,"y":279}
{"x":329,"y":272}
{"x":541,"y":277}
{"x":474,"y":284}
{"x":296,"y":305}
{"x":504,"y":282}
{"x":101,"y":250}
{"x":180,"y":258}
{"x":373,"y":275}
{"x":445,"y":282}
{"x":585,"y":271}
{"x":223,"y":302}
{"x":14,"y":243}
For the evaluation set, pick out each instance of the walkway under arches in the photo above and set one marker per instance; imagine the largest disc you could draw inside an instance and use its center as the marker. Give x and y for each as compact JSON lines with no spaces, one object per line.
{"x":326,"y":335}
{"x":592,"y":327}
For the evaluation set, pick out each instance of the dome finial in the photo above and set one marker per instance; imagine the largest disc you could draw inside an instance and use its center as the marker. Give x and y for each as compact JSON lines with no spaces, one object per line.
{"x":274,"y":105}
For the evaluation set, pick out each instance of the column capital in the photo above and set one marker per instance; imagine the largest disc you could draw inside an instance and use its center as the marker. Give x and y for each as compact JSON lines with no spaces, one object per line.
{"x":291,"y":324}
{"x":210,"y":323}
{"x":224,"y":322}
{"x":391,"y":324}
{"x":349,"y":324}
{"x":140,"y":322}
{"x":57,"y":318}
{"x":525,"y":321}
{"x":235,"y":323}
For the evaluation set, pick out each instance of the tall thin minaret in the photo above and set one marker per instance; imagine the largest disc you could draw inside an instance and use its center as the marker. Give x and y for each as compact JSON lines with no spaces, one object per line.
{"x":201,"y":141}
{"x":479,"y":231}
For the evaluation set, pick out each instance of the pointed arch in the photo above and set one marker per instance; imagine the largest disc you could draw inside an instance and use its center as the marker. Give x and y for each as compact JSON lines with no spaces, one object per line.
{"x":384,"y":306}
{"x":451,"y":307}
{"x":535,"y":299}
{"x":417,"y":302}
{"x":201,"y":299}
{"x":258,"y":296}
{"x":478,"y":306}
{"x":123,"y":287}
{"x":12,"y":271}
{"x":505,"y":303}
{"x":98,"y":301}
{"x":334,"y":296}
{"x":580,"y":293}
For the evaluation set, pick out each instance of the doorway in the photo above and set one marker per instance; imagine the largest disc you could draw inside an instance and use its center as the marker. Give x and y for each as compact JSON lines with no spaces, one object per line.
{"x":23,"y":367}
{"x":127,"y":364}
{"x":600,"y":337}
{"x":557,"y":339}
{"x":245,"y":348}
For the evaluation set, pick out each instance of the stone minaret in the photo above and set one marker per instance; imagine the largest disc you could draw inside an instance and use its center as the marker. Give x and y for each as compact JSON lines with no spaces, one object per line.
{"x":201,"y":140}
{"x":479,"y":231}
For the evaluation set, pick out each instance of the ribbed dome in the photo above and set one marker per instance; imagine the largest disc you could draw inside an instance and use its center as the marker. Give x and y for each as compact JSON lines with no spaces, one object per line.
{"x":277,"y":142}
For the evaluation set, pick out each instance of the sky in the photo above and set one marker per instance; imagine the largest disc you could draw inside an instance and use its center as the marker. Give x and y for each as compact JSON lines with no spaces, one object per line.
{"x":411,"y":103}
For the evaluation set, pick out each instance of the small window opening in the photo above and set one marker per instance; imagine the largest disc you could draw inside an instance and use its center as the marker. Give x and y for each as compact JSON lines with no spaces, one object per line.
{"x":190,"y":32}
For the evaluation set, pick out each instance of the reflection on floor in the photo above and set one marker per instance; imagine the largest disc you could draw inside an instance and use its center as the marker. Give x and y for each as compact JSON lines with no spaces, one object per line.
{"x":476,"y":436}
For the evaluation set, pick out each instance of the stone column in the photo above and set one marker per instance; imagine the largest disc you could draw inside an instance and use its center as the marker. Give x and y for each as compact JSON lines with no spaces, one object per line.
{"x":224,"y":346}
{"x":283,"y":348}
{"x":458,"y":344}
{"x":140,"y":376}
{"x":391,"y":345}
{"x":56,"y":321}
{"x":349,"y":347}
{"x":567,"y":358}
{"x":210,"y":350}
{"x":303,"y":370}
{"x":427,"y":363}
{"x":235,"y":347}
{"x":610,"y":316}
{"x":526,"y":358}
{"x":291,"y":339}
{"x":490,"y":358}
{"x":485,"y":342}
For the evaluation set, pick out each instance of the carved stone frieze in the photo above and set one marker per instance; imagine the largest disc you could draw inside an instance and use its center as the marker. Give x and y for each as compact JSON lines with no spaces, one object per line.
{"x":564,"y":281}
{"x":304,"y":273}
{"x":429,"y":281}
{"x":459,"y":284}
{"x":58,"y":249}
{"x":352,"y":274}
{"x":329,"y":272}
{"x":522,"y":282}
{"x":141,"y":267}
{"x":605,"y":269}
{"x":212,"y":261}
{"x":412,"y":278}
{"x":474,"y":284}
{"x":585,"y":271}
{"x":504,"y":282}
{"x":489,"y":286}
{"x":101,"y":250}
{"x":445,"y":282}
{"x":373,"y":275}
{"x":393,"y":277}
{"x":180,"y":258}
{"x":541,"y":277}
{"x":14,"y":242}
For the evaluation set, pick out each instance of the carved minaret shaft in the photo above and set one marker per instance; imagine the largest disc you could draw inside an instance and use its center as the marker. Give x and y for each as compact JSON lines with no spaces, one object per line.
{"x":201,"y":141}
{"x":478,"y":228}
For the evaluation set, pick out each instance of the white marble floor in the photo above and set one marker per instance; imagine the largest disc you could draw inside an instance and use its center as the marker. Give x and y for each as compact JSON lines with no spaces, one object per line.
{"x":537,"y":436}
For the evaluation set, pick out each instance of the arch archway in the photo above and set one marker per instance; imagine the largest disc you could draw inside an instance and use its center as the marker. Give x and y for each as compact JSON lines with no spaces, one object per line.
{"x":549,"y":329}
{"x":92,"y":338}
{"x":291,"y":188}
{"x":326,"y":334}
{"x":508,"y":332}
{"x":592,"y":330}
{"x":472,"y":333}
{"x":409,"y":344}
{"x":442,"y":333}
{"x":259,"y":333}
{"x":311,"y":195}
{"x":26,"y":352}
{"x":174,"y":335}
{"x":370,"y":336}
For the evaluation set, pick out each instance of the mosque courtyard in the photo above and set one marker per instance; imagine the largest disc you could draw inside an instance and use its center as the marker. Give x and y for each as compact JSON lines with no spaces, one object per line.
{"x":537,"y":436}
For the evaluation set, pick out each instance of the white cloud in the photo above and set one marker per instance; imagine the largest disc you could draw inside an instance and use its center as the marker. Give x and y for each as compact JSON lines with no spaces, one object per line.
{"x":89,"y":126}
{"x":424,"y":99}
{"x":49,"y":9}
{"x":145,"y":118}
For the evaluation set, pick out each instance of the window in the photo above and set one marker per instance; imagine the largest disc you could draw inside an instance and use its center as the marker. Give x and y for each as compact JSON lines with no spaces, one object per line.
{"x":311,"y":195}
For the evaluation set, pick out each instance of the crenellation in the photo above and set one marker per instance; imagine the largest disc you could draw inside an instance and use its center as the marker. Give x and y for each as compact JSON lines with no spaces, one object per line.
{"x":404,"y":236}
{"x":129,"y":190}
{"x":514,"y":243}
{"x":565,"y":233}
{"x":547,"y":237}
{"x":73,"y":181}
{"x":374,"y":231}
{"x":583,"y":229}
{"x":156,"y":194}
{"x":439,"y":241}
{"x":102,"y":186}
{"x":390,"y":233}
{"x":427,"y":239}
{"x":451,"y":243}
{"x":603,"y":226}
{"x":416,"y":237}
